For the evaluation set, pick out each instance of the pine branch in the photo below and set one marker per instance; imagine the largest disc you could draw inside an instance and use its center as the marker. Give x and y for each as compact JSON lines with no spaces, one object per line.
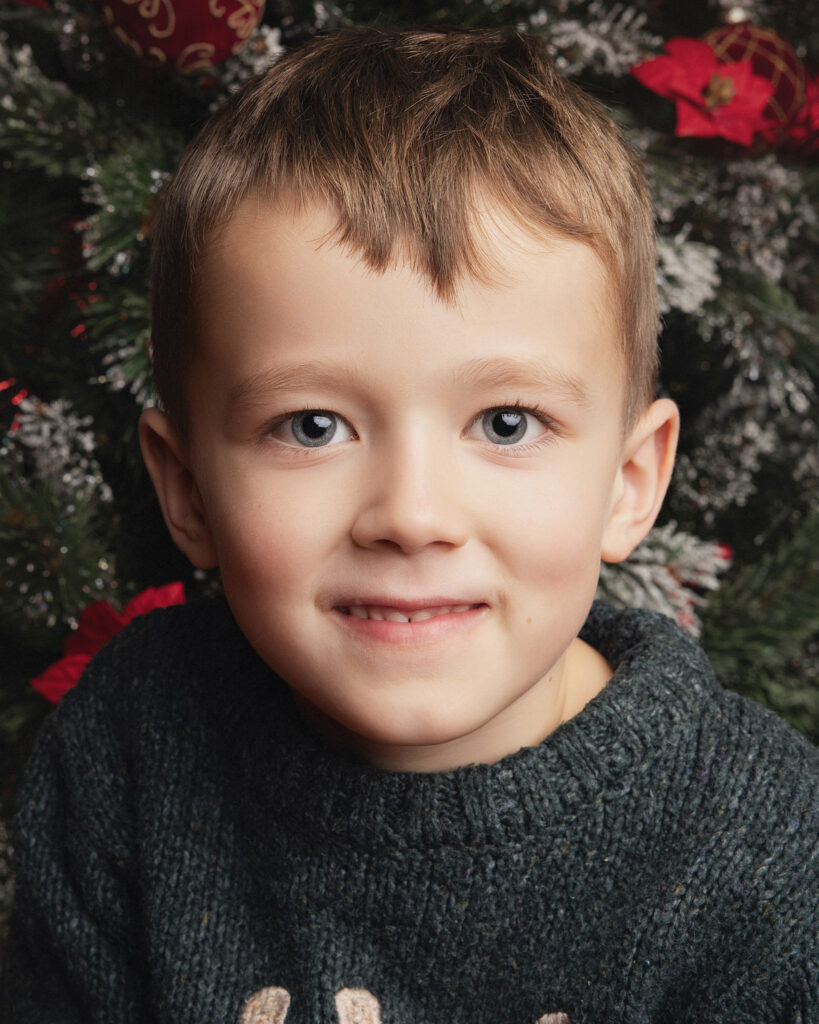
{"x":55,"y":530}
{"x":761,"y":629}
{"x":45,"y":125}
{"x":669,"y":573}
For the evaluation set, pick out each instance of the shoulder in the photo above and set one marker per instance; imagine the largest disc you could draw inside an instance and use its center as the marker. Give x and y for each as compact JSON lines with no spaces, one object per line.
{"x":746,"y":801}
{"x":659,"y":668}
{"x":153,"y":707}
{"x":741,"y":783}
{"x":170,"y":637}
{"x":171,"y":675}
{"x":763,"y":777}
{"x":738,"y":829}
{"x":763,"y":738}
{"x":749,"y":829}
{"x":165,"y":655}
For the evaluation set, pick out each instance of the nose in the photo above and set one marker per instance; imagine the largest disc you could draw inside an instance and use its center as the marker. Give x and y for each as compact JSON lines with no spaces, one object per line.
{"x":411,"y":500}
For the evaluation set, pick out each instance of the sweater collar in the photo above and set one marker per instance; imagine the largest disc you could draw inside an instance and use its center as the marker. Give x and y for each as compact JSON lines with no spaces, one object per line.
{"x":655,"y":698}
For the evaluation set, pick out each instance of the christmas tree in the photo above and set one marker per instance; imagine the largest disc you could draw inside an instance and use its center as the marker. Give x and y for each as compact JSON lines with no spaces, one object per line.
{"x":97,"y":101}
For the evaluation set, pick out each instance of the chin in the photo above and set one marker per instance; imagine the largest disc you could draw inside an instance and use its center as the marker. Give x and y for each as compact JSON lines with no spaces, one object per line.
{"x":397,"y":729}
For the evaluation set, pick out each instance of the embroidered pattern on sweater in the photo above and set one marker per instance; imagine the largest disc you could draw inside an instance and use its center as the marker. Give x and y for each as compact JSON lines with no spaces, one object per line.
{"x":266,"y":1007}
{"x":353,"y":1006}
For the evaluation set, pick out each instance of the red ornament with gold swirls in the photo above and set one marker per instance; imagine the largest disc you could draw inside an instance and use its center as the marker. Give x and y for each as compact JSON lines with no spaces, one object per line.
{"x":186,"y":35}
{"x":771,"y":58}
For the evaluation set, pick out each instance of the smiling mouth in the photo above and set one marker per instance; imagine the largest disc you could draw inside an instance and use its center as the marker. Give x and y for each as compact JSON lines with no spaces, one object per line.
{"x":383,"y":613}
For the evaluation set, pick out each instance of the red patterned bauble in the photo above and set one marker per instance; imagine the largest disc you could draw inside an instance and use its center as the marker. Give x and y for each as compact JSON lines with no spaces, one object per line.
{"x":187,"y":35}
{"x":771,"y":58}
{"x":803,"y":134}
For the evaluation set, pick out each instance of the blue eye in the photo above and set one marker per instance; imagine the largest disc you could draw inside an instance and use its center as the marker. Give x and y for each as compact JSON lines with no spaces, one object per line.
{"x":508,"y":425}
{"x":504,"y":426}
{"x":313,"y":428}
{"x":310,"y":428}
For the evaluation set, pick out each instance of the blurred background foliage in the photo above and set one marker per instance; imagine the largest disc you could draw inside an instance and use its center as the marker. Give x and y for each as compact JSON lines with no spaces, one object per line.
{"x":94,"y":112}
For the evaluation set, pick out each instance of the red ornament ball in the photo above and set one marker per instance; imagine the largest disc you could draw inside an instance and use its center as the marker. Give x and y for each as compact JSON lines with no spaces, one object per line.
{"x":772,"y":58}
{"x":187,"y":35}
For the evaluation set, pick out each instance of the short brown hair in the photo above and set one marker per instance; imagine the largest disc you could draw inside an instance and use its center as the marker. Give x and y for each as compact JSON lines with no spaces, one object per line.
{"x":404,"y":133}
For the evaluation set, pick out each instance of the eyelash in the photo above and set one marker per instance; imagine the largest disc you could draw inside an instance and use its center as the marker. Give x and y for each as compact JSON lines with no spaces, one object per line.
{"x":532,"y":409}
{"x":296,"y":450}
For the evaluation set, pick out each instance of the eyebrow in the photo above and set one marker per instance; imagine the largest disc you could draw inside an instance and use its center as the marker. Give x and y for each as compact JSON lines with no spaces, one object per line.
{"x":502,"y":372}
{"x":477,"y":374}
{"x":301,"y":377}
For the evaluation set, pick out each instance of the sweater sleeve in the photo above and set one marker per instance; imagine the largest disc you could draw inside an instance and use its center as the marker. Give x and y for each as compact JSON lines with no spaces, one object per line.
{"x":74,"y":952}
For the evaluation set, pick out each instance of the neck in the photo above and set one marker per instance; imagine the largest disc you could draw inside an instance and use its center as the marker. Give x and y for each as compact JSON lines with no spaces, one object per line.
{"x":561,"y":694}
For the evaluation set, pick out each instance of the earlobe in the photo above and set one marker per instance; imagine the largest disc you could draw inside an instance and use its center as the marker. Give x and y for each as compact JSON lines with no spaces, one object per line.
{"x":643,"y":478}
{"x":167,"y":463}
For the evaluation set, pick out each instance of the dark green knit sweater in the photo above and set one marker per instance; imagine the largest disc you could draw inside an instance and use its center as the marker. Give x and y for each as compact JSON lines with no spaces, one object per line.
{"x":188,"y":852}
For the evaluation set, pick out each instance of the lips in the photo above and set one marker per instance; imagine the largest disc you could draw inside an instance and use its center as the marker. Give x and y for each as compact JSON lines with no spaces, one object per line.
{"x":391,"y":613}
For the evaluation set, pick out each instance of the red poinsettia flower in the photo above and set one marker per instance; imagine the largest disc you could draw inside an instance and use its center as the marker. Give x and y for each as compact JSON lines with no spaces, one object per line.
{"x":711,"y":98}
{"x":98,"y":623}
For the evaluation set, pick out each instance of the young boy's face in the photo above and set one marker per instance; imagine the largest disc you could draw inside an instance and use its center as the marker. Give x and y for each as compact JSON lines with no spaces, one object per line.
{"x":362,"y":454}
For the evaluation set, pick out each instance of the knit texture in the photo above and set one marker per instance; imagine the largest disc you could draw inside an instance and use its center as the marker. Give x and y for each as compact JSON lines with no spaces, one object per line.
{"x":189,"y":852}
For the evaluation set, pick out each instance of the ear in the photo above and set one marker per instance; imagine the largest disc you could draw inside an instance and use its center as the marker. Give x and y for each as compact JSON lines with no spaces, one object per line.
{"x":642,"y":480}
{"x":167,"y":461}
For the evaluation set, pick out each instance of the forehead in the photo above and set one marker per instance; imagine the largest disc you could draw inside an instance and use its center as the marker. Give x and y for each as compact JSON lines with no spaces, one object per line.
{"x":275,"y":284}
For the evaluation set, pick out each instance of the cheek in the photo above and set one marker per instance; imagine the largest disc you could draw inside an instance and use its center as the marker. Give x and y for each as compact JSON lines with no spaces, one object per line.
{"x":272,"y":536}
{"x":556,"y":531}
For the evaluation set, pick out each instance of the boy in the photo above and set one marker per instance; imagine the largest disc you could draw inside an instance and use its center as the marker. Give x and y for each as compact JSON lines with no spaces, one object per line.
{"x":405,"y":339}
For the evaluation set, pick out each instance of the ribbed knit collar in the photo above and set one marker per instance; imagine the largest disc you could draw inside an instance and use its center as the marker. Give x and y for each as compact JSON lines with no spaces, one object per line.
{"x":654,"y":700}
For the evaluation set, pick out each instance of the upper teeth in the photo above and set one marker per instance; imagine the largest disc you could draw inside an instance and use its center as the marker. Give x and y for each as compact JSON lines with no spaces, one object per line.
{"x":381,"y":613}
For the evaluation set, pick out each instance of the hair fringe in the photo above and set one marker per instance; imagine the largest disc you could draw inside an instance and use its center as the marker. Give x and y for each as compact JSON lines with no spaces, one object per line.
{"x":408,"y":135}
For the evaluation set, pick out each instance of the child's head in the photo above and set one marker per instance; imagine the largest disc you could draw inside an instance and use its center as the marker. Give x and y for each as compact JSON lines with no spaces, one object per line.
{"x":405,"y":334}
{"x":409,"y":137}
